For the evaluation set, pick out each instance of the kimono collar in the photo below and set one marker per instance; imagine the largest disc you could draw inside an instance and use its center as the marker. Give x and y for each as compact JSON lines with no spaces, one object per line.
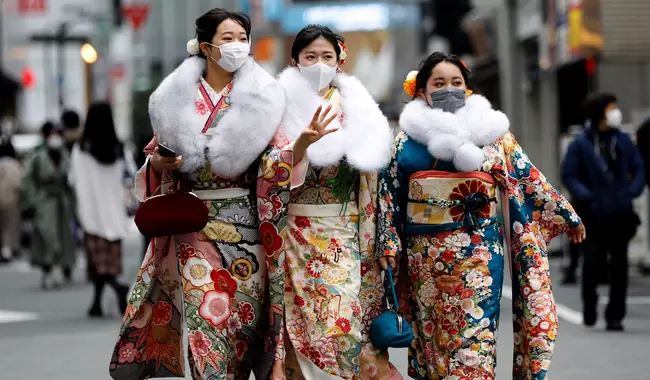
{"x":257,"y":102}
{"x":365,"y":137}
{"x":457,"y":138}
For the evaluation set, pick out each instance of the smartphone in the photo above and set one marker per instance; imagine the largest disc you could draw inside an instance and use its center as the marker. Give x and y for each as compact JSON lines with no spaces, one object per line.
{"x":166,"y":152}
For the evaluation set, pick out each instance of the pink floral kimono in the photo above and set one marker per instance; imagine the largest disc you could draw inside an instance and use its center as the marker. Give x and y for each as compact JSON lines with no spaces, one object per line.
{"x":214,"y":281}
{"x":328,"y":275}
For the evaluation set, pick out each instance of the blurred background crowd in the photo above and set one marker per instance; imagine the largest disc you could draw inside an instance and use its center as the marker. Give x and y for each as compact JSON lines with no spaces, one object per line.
{"x":537,"y":60}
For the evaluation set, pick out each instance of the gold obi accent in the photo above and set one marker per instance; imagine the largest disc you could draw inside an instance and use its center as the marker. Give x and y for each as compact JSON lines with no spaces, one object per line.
{"x":434,"y":196}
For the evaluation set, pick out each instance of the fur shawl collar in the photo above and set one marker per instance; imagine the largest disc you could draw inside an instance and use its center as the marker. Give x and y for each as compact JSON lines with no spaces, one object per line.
{"x":365,"y":137}
{"x":257,"y":102}
{"x":460,"y":137}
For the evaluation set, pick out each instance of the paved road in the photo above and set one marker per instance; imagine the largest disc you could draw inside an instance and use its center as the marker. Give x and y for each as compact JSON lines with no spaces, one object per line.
{"x":45,"y":335}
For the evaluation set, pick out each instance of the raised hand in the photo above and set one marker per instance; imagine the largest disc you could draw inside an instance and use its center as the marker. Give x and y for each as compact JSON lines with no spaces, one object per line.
{"x":314,"y":132}
{"x":317,"y":127}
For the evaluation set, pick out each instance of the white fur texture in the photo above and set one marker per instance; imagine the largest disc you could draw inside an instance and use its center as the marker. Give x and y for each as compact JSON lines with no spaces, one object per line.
{"x":460,"y":137}
{"x":365,"y":138}
{"x":257,"y":102}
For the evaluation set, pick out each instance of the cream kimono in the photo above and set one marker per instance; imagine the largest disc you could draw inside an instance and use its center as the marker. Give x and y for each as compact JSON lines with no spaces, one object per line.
{"x":214,"y":281}
{"x":333,"y":286}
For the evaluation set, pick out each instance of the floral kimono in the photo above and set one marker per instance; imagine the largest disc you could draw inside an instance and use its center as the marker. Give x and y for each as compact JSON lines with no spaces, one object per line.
{"x":438,"y":204}
{"x":332,"y":285}
{"x":215,"y":280}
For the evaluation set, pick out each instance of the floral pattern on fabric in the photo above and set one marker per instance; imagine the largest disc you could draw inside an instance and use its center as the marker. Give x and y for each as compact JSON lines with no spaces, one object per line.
{"x":461,"y":261}
{"x":214,"y":280}
{"x":332,"y":285}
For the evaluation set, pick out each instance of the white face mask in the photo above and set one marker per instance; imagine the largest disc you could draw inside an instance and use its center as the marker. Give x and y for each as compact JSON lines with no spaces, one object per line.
{"x":318,"y":75}
{"x":54,"y":142}
{"x":614,"y":118}
{"x":233,"y":55}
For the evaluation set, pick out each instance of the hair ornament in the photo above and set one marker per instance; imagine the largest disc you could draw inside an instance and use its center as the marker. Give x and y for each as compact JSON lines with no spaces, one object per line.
{"x":409,"y":83}
{"x":193,"y":47}
{"x":344,"y":53}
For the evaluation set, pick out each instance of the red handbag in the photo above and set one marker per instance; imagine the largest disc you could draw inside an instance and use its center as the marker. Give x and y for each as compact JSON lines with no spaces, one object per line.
{"x":171,"y":214}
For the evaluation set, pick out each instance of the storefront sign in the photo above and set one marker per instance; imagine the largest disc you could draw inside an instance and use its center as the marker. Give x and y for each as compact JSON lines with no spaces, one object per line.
{"x":351,"y":17}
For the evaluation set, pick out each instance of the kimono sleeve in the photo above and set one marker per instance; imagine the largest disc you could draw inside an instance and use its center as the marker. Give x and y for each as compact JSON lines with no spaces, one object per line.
{"x":391,"y":211}
{"x":274,"y":183}
{"x":534,"y":213}
{"x":29,"y":190}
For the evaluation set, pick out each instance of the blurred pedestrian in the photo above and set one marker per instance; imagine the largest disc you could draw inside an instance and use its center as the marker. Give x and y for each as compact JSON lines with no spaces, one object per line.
{"x":604,"y":171}
{"x":10,"y":179}
{"x":46,"y":195}
{"x":98,"y":164}
{"x":71,"y":128}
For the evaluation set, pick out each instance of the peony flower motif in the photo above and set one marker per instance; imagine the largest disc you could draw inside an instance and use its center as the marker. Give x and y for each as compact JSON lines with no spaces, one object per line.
{"x":409,"y":83}
{"x":193,"y":47}
{"x":200,"y":344}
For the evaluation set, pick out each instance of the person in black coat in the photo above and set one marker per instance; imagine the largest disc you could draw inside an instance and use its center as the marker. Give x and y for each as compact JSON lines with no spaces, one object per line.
{"x":604,"y":171}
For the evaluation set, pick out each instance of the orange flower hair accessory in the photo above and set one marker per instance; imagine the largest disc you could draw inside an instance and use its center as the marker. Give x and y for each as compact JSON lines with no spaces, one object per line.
{"x":344,"y":53}
{"x":409,"y":83}
{"x":468,"y":92}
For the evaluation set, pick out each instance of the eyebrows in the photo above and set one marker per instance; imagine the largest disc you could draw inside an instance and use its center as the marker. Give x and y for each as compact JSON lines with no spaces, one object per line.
{"x":326,"y":51}
{"x":230,"y":33}
{"x":443,"y":78}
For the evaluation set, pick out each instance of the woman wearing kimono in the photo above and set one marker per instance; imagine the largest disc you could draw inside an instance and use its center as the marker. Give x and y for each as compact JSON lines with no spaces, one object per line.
{"x":332,"y":286}
{"x":438,"y":204}
{"x":46,"y":194}
{"x":218,"y":111}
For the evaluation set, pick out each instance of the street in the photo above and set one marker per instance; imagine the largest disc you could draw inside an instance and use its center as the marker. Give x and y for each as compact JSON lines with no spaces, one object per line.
{"x":46,"y":335}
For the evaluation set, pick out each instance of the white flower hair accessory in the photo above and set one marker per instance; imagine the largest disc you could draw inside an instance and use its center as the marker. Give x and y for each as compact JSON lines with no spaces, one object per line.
{"x":193,"y":47}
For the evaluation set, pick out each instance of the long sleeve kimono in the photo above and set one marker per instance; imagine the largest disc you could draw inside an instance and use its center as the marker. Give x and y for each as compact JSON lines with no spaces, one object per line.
{"x":332,"y":283}
{"x":213,"y":281}
{"x":452,"y":248}
{"x":46,"y":192}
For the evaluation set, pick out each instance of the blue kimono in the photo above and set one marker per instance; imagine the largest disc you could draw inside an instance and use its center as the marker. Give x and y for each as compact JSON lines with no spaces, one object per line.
{"x":438,"y":204}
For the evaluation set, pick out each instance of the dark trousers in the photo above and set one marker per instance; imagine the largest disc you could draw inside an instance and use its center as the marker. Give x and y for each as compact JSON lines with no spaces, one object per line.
{"x":574,"y":259}
{"x":602,"y":247}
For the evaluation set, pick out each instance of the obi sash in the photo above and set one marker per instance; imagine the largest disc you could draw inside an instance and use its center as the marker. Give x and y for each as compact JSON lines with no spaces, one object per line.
{"x":439,"y":201}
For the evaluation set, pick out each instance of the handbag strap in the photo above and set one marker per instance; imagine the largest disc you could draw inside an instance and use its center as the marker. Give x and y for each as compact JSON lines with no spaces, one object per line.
{"x":390,"y":286}
{"x":177,"y":181}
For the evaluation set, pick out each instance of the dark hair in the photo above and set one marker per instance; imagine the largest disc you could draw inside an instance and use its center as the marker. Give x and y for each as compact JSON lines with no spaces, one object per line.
{"x":309,"y":34}
{"x":99,"y":138}
{"x":428,"y":64}
{"x":594,"y":106}
{"x":70,"y":120}
{"x":47,"y":128}
{"x":206,"y":25}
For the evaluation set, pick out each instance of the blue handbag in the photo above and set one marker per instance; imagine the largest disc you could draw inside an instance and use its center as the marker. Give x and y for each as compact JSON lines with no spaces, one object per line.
{"x":390,"y":330}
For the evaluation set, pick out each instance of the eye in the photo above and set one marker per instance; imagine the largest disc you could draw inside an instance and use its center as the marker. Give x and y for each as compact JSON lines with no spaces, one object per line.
{"x":458,"y":84}
{"x":438,"y":84}
{"x":227,"y":39}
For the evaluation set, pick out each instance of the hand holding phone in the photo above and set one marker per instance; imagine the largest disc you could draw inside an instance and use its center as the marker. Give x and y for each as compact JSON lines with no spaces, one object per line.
{"x":166,"y":152}
{"x":165,"y":159}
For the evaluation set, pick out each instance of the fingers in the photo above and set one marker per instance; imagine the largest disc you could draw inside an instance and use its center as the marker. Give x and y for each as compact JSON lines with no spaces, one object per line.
{"x":324,"y":114}
{"x":329,"y":119}
{"x":383,"y":261}
{"x":316,"y":117}
{"x":328,"y":131}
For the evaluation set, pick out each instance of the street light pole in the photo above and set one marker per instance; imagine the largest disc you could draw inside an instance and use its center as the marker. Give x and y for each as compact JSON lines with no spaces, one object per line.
{"x":59,"y":39}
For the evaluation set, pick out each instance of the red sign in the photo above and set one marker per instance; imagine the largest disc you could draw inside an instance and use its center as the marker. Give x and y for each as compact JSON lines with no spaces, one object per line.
{"x":31,"y":6}
{"x":28,"y":78}
{"x":136,"y":14}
